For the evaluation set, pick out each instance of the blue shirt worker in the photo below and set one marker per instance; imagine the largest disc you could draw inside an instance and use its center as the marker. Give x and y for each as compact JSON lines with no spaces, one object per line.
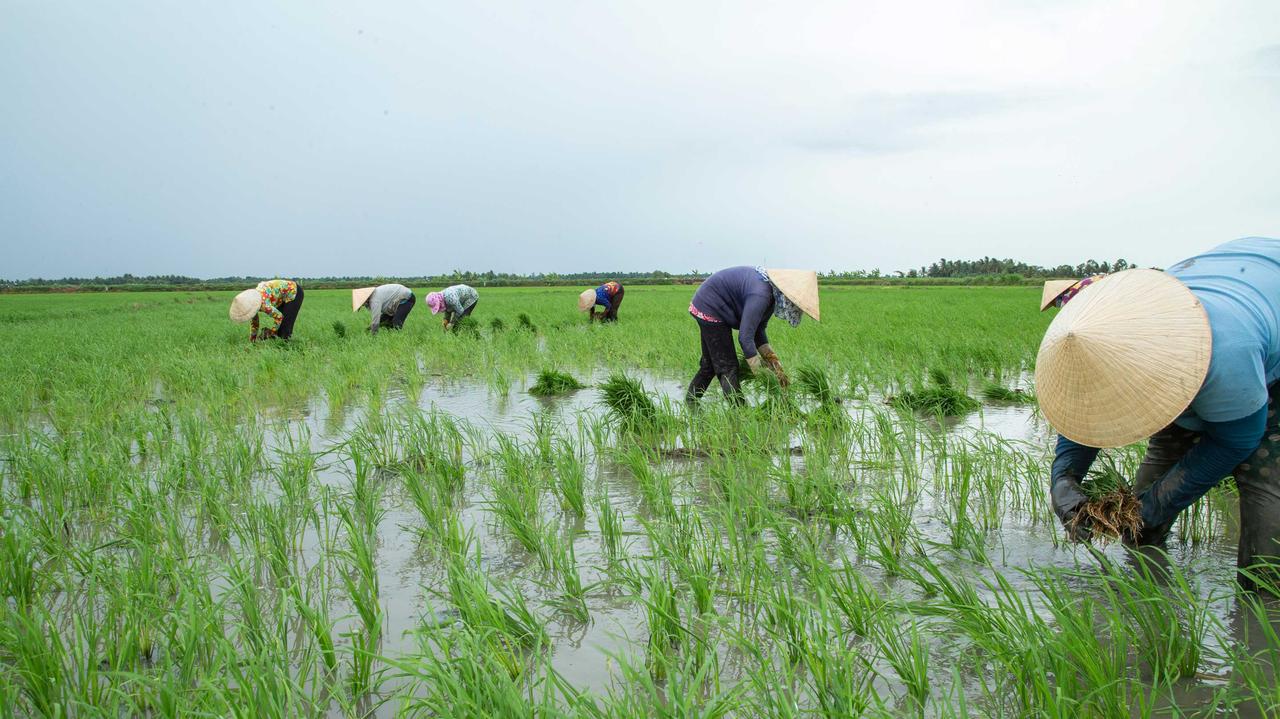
{"x":1188,"y":358}
{"x":609,"y":296}
{"x":743,"y":299}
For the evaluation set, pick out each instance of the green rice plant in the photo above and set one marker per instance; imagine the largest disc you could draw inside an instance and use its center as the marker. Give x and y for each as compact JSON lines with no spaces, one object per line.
{"x":610,"y":521}
{"x":496,"y":325}
{"x":993,"y":391}
{"x":467,"y":327}
{"x":570,"y":479}
{"x":563,"y":562}
{"x":903,"y":646}
{"x":629,"y":401}
{"x":552,"y":382}
{"x":813,"y":381}
{"x":941,"y":397}
{"x":339,"y":329}
{"x":666,"y":633}
{"x":524,"y":323}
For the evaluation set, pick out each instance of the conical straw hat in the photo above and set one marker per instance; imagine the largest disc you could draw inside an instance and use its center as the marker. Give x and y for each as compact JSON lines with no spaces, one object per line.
{"x":245,"y":306}
{"x":800,"y":286}
{"x":359,"y":297}
{"x":1052,"y":290}
{"x":1124,"y":359}
{"x":586,"y":300}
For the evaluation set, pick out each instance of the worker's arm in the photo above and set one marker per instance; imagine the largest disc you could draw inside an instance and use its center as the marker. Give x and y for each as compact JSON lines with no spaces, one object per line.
{"x":375,"y":314}
{"x":276,"y":317}
{"x":755,"y":315}
{"x":253,"y":328}
{"x":1222,"y":447}
{"x":1071,"y":463}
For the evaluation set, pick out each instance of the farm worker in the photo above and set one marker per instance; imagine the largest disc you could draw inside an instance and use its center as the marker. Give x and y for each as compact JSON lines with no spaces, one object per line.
{"x":456,"y":302}
{"x":279,"y":299}
{"x":743,"y":299}
{"x":388,"y":305}
{"x":1057,"y":293}
{"x":608,"y":296}
{"x":1188,"y":358}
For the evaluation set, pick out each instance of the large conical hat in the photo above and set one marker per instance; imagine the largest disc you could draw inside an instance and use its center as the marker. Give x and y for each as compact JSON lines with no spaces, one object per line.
{"x":245,"y":305}
{"x":359,"y":297}
{"x":799,"y":286}
{"x":1052,"y":290}
{"x":1124,"y":359}
{"x":586,"y":300}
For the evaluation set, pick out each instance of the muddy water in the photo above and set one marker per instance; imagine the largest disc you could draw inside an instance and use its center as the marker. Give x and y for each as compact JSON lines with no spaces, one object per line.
{"x":409,"y":575}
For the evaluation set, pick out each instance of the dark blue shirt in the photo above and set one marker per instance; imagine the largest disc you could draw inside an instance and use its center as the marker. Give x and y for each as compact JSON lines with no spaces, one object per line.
{"x":739,"y":297}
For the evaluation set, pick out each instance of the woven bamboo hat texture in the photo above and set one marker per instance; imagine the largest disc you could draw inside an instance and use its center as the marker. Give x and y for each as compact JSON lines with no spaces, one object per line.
{"x":1124,"y":359}
{"x":586,"y":300}
{"x":799,"y":286}
{"x":1052,"y":290}
{"x":359,"y":297}
{"x":245,"y":305}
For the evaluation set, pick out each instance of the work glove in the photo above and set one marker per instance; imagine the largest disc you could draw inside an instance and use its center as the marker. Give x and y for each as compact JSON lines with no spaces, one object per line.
{"x":1067,"y":498}
{"x":755,"y":363}
{"x":771,"y":359}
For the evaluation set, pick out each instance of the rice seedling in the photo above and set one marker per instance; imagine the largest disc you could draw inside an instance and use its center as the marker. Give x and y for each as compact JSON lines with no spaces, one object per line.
{"x":496,"y":325}
{"x":553,"y":382}
{"x":940,"y":397}
{"x":629,"y":401}
{"x":993,"y":391}
{"x":339,"y":329}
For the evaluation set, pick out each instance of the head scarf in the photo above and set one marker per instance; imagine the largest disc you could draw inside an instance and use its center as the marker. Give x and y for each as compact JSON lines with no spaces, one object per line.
{"x":783,"y":308}
{"x":435,"y":300}
{"x":1074,"y":290}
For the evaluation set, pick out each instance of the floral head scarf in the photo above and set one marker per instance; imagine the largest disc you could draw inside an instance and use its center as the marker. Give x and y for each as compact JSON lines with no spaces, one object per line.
{"x":783,"y":308}
{"x":435,"y":300}
{"x":1074,"y":290}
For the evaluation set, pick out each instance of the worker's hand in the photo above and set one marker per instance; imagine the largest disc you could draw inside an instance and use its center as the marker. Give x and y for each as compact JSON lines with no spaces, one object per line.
{"x":755,"y":363}
{"x":1068,"y":498}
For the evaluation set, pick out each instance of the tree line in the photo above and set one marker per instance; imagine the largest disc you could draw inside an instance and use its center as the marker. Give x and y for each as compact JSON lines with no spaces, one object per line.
{"x":987,"y":270}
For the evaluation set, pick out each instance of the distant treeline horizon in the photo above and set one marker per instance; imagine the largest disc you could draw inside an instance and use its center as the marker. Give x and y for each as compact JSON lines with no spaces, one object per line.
{"x":985,"y":271}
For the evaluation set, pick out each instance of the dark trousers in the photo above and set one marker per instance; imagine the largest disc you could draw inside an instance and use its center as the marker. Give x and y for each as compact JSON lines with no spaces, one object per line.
{"x":611,"y":314}
{"x":719,"y":359}
{"x":290,"y":311}
{"x":1257,"y":478}
{"x":396,"y":321}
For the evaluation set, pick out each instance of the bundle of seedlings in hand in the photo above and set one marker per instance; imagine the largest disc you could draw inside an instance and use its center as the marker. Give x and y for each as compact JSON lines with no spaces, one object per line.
{"x":1114,"y":515}
{"x":940,"y":398}
{"x":551,"y":382}
{"x":628,"y":399}
{"x":996,"y":392}
{"x":1113,"y":510}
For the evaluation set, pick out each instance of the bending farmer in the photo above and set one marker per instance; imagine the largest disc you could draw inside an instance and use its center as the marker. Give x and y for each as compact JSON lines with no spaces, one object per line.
{"x":455,"y":302}
{"x":743,"y":299}
{"x":388,"y":305}
{"x":608,"y":296}
{"x":1188,"y":358}
{"x":279,"y":299}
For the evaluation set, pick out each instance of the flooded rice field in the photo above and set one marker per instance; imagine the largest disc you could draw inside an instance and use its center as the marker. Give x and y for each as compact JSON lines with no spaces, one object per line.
{"x":350,"y":534}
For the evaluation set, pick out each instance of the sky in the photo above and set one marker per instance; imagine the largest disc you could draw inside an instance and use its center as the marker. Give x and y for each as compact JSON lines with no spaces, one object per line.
{"x":303,"y":139}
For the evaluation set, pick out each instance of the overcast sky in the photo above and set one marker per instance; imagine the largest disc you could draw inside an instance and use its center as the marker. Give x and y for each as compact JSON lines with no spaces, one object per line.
{"x":406,"y":138}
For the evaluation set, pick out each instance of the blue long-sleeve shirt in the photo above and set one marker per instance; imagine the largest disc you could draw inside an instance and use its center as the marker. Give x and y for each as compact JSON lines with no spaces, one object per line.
{"x":739,"y":297}
{"x":1238,"y":284}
